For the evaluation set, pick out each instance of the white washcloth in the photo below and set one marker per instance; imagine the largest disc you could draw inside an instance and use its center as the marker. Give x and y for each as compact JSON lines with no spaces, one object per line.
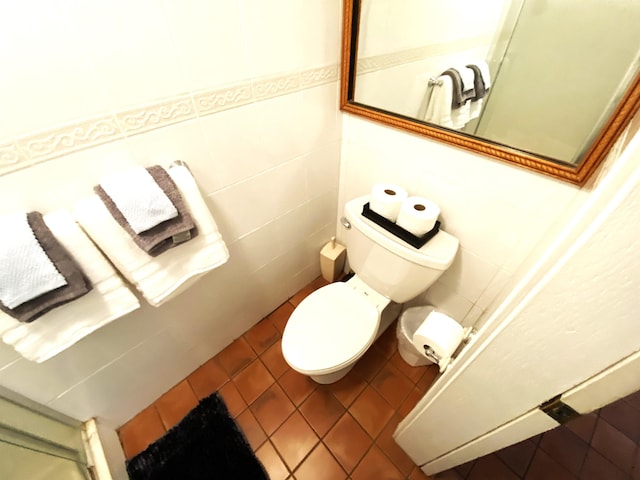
{"x":26,"y":271}
{"x":158,"y":278}
{"x":61,"y":327}
{"x":439,"y":106}
{"x":139,"y":198}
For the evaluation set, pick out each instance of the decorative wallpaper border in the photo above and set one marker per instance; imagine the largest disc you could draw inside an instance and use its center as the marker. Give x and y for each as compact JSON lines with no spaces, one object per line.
{"x":45,"y":145}
{"x":387,"y":60}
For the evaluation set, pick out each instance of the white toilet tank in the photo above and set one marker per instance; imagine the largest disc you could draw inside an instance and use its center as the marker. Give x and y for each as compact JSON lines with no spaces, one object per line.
{"x":389,"y":265}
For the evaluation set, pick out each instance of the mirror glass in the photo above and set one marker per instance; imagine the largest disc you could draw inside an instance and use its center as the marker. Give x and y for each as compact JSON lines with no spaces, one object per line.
{"x":538,"y":79}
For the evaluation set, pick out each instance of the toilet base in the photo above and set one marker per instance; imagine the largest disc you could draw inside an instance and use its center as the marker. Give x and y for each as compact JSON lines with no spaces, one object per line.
{"x":332,"y":377}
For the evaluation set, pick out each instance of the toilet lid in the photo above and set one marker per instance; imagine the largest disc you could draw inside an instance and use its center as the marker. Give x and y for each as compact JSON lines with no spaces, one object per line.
{"x":328,"y":329}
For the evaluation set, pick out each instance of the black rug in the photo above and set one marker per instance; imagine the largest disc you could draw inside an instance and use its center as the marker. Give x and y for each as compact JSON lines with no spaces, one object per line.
{"x":206,"y":444}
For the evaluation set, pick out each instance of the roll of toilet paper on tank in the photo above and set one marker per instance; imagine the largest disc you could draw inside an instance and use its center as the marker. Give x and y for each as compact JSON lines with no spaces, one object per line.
{"x":418,"y":215}
{"x":386,"y":200}
{"x":440,"y":332}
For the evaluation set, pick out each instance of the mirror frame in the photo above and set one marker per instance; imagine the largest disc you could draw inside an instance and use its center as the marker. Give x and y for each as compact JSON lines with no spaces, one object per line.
{"x":578,"y":175}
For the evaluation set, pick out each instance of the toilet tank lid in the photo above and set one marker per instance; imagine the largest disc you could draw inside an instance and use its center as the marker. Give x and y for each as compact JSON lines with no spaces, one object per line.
{"x":438,"y":253}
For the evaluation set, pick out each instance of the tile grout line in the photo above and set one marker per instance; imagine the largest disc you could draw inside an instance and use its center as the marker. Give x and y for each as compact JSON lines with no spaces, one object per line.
{"x":229,"y":378}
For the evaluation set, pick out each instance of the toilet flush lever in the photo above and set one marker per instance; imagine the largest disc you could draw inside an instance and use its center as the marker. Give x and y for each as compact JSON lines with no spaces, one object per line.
{"x":345,"y":223}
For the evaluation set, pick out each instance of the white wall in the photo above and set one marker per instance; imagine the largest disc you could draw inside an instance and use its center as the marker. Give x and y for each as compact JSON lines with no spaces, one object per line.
{"x":245,"y":91}
{"x":404,"y":43}
{"x":499,"y":212}
{"x":409,"y":24}
{"x":573,"y":315}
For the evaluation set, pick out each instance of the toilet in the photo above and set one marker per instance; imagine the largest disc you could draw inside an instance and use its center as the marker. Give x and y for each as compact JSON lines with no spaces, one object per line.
{"x":335,"y":325}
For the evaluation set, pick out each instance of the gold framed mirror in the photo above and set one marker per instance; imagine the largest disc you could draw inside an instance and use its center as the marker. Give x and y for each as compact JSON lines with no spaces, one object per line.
{"x":617,"y":88}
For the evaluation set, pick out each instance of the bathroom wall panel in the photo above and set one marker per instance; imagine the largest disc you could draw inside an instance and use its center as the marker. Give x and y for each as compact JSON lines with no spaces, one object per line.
{"x":181,"y":141}
{"x":280,"y":149}
{"x":237,"y":153}
{"x":318,"y":125}
{"x":7,"y":356}
{"x":39,"y":41}
{"x":321,"y":39}
{"x":297,"y":229}
{"x":283,"y":233}
{"x":469,"y":274}
{"x":127,"y":46}
{"x":445,"y":299}
{"x":252,"y":203}
{"x":274,"y":45}
{"x":499,"y":213}
{"x":162,"y":359}
{"x":323,"y":168}
{"x":209,"y":40}
{"x":136,"y":371}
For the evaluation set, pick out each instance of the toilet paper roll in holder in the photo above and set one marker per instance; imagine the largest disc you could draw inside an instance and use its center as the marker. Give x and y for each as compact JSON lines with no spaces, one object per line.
{"x":444,"y":362}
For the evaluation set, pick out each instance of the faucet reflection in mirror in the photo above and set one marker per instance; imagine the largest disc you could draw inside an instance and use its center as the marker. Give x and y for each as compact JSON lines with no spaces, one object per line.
{"x":558,"y":73}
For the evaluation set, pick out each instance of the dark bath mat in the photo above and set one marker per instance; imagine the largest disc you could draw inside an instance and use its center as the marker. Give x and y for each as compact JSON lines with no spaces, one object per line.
{"x":206,"y":444}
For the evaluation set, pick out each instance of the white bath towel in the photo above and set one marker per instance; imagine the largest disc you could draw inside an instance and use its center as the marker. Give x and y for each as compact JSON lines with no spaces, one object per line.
{"x":475,"y":108}
{"x":439,"y":106}
{"x":139,"y":198}
{"x":158,"y":278}
{"x":61,"y":327}
{"x":461,"y":116}
{"x":26,"y":271}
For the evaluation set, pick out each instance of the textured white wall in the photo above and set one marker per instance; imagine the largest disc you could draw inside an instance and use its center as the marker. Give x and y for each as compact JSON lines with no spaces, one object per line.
{"x":575,"y":319}
{"x":245,"y":91}
{"x":415,"y":23}
{"x":499,"y":212}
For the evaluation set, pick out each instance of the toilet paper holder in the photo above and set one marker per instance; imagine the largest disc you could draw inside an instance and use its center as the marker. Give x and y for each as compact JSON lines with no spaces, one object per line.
{"x":444,"y":362}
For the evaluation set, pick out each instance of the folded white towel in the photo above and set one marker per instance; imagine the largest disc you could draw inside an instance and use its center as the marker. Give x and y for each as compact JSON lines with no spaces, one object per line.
{"x":139,"y":198}
{"x":26,"y":271}
{"x":158,"y":278}
{"x":61,"y":327}
{"x":439,"y":106}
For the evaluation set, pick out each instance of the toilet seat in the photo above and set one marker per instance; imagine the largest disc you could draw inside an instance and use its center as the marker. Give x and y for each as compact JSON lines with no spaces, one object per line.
{"x":329,"y":329}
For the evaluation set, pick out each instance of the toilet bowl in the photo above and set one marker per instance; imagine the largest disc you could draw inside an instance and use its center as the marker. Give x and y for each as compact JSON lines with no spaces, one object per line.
{"x":332,"y":328}
{"x":335,"y":325}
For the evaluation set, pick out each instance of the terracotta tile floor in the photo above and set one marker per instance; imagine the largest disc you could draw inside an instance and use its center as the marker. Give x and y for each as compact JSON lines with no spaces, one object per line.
{"x":299,"y":429}
{"x":305,"y":431}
